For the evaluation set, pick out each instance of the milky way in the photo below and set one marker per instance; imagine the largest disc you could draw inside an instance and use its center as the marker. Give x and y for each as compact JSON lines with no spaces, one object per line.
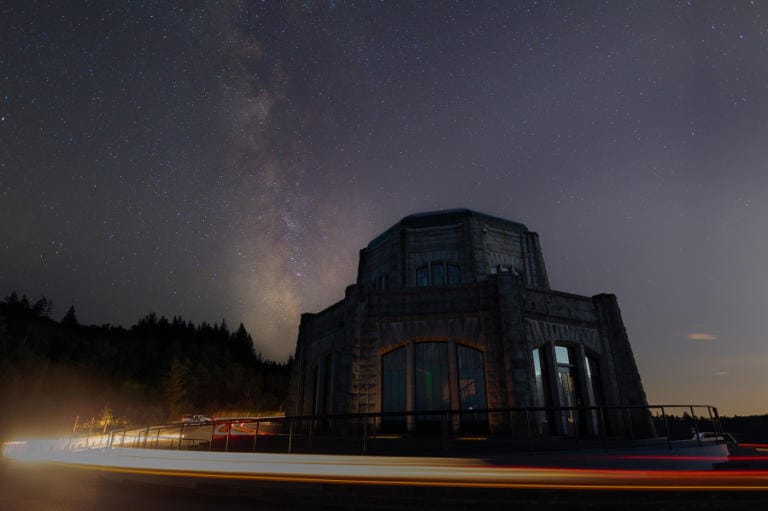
{"x":227,"y":160}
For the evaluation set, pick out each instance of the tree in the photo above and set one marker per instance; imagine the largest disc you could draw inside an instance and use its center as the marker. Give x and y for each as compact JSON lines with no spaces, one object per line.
{"x":43,"y":307}
{"x":177,"y":389}
{"x":241,"y":345}
{"x":69,"y":318}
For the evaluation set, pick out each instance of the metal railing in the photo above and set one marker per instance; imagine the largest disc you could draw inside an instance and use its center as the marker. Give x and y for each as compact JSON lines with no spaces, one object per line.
{"x":432,"y":431}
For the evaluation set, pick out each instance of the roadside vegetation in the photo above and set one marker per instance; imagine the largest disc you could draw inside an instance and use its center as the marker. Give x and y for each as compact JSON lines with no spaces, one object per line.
{"x":52,"y":372}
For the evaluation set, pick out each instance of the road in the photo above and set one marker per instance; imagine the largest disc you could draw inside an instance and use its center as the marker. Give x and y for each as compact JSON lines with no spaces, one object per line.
{"x":98,"y":479}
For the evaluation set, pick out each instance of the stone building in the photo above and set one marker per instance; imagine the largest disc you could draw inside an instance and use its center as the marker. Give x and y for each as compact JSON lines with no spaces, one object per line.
{"x":452,"y":310}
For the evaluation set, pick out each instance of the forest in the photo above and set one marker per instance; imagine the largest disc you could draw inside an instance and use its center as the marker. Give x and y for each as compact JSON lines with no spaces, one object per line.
{"x":55,"y":373}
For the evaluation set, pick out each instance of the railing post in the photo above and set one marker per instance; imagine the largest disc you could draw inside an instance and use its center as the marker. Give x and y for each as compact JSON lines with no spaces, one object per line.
{"x":181,"y":435}
{"x":528,"y":428}
{"x":445,"y":431}
{"x":576,"y":423}
{"x":666,"y":428}
{"x":365,"y":434}
{"x":603,"y":430}
{"x":695,"y":426}
{"x":714,"y":426}
{"x":374,"y":427}
{"x":255,"y":434}
{"x":226,"y":439}
{"x":290,"y":435}
{"x":146,"y":437}
{"x":719,"y":424}
{"x":90,"y":430}
{"x":74,"y":430}
{"x":629,"y":424}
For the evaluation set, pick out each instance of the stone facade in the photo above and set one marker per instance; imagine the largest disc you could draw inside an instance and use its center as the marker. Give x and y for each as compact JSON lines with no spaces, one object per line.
{"x":466,"y":297}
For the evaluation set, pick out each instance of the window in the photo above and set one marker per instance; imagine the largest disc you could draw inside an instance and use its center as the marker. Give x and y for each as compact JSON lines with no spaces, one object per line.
{"x":538,"y":372}
{"x":438,"y":273}
{"x":393,"y":367}
{"x":453,"y":274}
{"x":567,"y":387}
{"x":422,"y":276}
{"x":471,"y":378}
{"x":393,"y":389}
{"x":431,"y":376}
{"x":504,"y":268}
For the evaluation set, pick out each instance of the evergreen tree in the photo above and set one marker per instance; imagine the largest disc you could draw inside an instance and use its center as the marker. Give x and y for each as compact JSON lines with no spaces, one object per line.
{"x":241,"y":345}
{"x":43,"y":307}
{"x":177,"y":389}
{"x":70,"y":319}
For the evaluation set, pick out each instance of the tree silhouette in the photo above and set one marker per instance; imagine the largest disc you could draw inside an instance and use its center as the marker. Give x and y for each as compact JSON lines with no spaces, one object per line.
{"x":163,"y":368}
{"x":70,"y":319}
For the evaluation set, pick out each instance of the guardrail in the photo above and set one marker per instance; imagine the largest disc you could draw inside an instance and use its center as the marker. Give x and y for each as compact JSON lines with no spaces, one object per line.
{"x":436,"y":431}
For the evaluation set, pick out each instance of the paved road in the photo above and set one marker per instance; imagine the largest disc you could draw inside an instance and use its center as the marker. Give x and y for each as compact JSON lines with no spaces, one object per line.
{"x":51,"y":487}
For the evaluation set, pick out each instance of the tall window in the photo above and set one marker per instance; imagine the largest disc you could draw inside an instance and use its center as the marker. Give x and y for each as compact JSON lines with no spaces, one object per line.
{"x":431,"y":376}
{"x":422,"y":276}
{"x":471,"y":378}
{"x":558,"y":388}
{"x":438,"y":274}
{"x":393,"y":378}
{"x":568,"y":388}
{"x":471,"y":388}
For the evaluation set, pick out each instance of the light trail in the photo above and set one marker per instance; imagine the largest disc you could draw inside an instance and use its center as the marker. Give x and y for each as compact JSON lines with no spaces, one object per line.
{"x":381,"y":470}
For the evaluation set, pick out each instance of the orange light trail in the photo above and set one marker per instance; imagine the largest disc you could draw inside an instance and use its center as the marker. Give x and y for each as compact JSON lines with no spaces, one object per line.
{"x":388,"y":471}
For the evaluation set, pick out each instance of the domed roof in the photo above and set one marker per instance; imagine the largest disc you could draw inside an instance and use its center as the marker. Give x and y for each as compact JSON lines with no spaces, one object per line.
{"x":448,"y":217}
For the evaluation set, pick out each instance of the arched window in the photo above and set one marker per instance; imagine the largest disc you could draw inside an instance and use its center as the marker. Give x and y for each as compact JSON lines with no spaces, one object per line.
{"x":393,"y":381}
{"x":471,"y":368}
{"x":422,"y":276}
{"x":431,"y":376}
{"x":471,"y":378}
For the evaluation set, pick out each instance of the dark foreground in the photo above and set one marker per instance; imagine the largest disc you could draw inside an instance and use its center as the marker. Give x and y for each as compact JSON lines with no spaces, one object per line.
{"x":50,"y":487}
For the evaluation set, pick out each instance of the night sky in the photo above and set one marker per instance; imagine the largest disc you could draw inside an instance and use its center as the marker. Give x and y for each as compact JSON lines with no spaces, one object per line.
{"x":228,"y":160}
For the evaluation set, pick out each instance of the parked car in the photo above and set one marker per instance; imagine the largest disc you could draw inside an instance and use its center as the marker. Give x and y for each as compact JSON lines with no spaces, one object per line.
{"x":194,"y":419}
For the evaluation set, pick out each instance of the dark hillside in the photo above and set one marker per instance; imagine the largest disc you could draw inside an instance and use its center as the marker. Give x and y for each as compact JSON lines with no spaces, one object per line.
{"x":158,"y":369}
